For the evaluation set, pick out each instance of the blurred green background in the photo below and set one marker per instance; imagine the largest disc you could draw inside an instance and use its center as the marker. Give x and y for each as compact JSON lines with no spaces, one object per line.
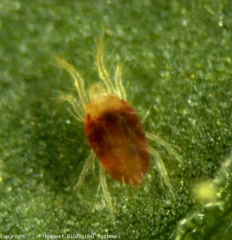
{"x":177,"y":62}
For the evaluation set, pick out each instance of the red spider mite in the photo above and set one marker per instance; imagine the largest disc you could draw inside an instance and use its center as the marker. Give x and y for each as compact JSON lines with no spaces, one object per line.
{"x":114,"y":130}
{"x":112,"y":126}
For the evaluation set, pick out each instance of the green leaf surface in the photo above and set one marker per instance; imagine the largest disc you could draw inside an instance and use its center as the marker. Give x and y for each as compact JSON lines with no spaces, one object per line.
{"x":177,"y":62}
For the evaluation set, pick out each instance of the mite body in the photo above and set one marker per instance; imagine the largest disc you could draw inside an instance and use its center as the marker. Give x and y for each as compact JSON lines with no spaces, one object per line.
{"x":116,"y":136}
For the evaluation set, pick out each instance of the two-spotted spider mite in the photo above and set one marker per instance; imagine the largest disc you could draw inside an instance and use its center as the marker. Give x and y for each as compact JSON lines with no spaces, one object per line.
{"x":114,"y":130}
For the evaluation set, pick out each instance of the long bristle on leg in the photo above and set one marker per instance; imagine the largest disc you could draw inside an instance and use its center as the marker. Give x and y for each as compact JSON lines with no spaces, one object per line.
{"x":165,"y":180}
{"x":118,"y":82}
{"x":88,"y":164}
{"x":106,"y":193}
{"x":78,"y":81}
{"x":103,"y":73}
